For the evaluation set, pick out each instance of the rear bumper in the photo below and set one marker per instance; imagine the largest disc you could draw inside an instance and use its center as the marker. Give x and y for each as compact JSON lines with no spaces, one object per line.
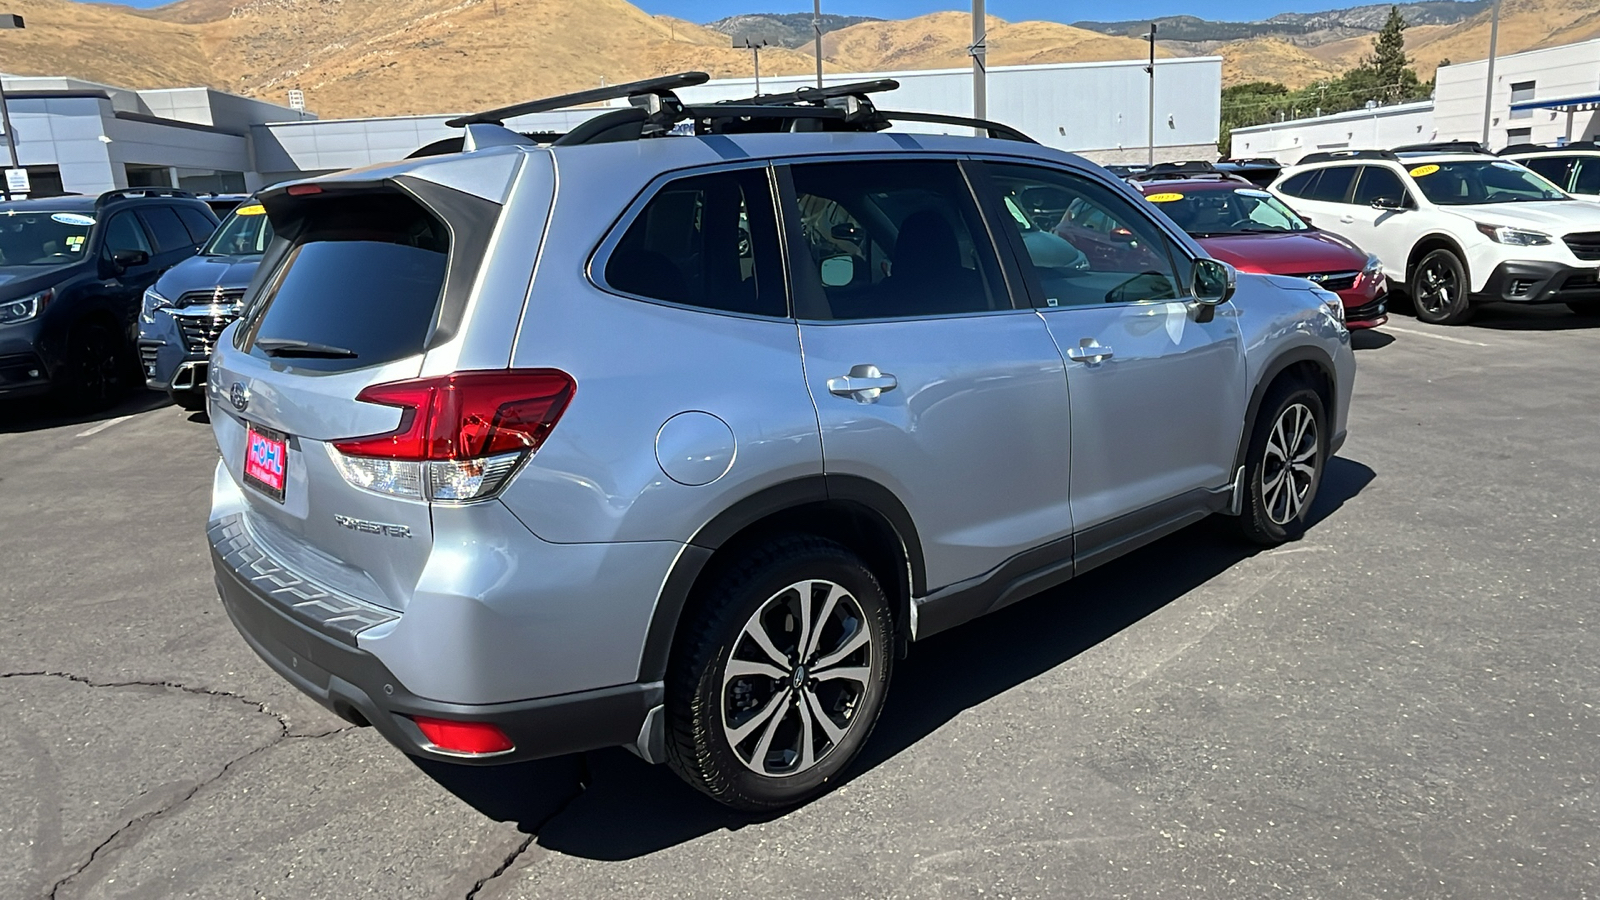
{"x":317,"y":653}
{"x":1536,"y":281}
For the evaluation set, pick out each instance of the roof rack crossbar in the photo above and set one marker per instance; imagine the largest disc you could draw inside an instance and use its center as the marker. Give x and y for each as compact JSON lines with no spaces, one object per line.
{"x":1332,"y":155}
{"x":758,"y":111}
{"x":822,"y":94}
{"x":1444,"y":147}
{"x":650,"y":87}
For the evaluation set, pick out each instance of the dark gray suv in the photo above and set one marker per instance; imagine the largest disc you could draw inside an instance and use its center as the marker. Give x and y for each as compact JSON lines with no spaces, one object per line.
{"x":675,"y":432}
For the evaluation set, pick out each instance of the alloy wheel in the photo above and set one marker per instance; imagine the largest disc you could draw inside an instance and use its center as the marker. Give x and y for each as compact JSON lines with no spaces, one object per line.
{"x":796,"y":677}
{"x":1289,"y":468}
{"x":1437,"y":288}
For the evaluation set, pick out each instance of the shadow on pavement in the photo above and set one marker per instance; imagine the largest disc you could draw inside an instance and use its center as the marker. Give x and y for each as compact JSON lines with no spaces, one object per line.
{"x":38,"y":414}
{"x":1511,"y":317}
{"x":1370,"y":339}
{"x":610,"y":805}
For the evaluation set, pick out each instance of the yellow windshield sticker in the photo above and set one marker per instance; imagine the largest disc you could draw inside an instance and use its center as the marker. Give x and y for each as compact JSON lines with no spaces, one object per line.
{"x":254,"y":209}
{"x":1164,"y":198}
{"x":1421,"y":171}
{"x":74,"y":242}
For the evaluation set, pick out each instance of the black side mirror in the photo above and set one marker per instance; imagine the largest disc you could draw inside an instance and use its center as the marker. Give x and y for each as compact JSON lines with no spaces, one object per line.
{"x":1388,"y":204}
{"x":129,"y":259}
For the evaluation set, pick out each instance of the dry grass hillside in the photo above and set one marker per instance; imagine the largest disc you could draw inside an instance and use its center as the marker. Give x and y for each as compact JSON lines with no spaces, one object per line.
{"x":940,"y":40}
{"x":1272,"y":59}
{"x":386,"y":57}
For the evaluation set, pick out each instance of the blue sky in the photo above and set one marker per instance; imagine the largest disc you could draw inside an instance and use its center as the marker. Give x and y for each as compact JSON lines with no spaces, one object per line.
{"x":1014,"y":10}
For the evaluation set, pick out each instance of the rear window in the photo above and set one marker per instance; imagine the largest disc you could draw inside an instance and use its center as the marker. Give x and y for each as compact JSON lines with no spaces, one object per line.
{"x":363,"y":278}
{"x":1333,"y":186}
{"x":168,"y":230}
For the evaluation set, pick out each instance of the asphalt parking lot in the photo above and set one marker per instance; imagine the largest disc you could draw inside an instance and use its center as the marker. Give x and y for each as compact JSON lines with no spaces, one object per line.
{"x":1404,"y":704}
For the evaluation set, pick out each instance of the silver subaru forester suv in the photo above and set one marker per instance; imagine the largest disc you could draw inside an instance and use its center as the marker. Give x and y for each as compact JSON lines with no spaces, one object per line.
{"x":674,"y":432}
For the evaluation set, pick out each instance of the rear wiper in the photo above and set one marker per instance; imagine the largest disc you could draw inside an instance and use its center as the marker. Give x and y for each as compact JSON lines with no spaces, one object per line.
{"x":287,"y":347}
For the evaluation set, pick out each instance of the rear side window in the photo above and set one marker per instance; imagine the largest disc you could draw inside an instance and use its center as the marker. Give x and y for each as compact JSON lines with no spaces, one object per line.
{"x":1333,"y":186}
{"x":1588,"y":180}
{"x":1556,"y":169}
{"x":199,"y":224}
{"x":167,"y":229}
{"x":124,"y":233}
{"x":360,"y":284}
{"x":1300,"y":185}
{"x":1379,"y":183}
{"x":709,"y":241}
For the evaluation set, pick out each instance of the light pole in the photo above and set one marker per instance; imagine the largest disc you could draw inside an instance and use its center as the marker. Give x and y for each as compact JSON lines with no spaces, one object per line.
{"x":754,"y":46}
{"x":816,"y":27}
{"x":1488,"y":85}
{"x":1151,"y":37}
{"x":979,"y":51}
{"x":9,"y":20}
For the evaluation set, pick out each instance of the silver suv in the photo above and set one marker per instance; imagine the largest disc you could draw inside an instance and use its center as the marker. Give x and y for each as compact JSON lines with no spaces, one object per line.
{"x":675,"y":432}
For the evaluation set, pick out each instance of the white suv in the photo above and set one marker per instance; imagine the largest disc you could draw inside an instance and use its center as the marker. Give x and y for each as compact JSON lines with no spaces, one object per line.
{"x":1454,"y":225}
{"x":1575,"y":168}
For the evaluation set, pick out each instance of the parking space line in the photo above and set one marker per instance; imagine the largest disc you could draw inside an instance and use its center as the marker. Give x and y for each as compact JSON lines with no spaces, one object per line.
{"x":90,"y":432}
{"x":1438,"y":337}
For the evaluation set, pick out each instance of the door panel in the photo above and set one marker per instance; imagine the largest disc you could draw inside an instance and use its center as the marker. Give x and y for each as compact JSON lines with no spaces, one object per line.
{"x":926,"y":377}
{"x":1157,"y":396}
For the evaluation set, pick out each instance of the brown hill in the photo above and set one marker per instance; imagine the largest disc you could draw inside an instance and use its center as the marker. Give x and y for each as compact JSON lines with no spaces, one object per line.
{"x":1272,"y":59}
{"x":103,"y":43}
{"x":940,"y":40}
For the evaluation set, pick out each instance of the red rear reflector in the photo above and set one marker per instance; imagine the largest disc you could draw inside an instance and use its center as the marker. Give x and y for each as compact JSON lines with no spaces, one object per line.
{"x":464,"y":737}
{"x":467,"y":415}
{"x":300,"y":190}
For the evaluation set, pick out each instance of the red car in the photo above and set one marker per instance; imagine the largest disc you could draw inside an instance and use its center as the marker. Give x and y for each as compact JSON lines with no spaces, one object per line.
{"x":1249,"y":228}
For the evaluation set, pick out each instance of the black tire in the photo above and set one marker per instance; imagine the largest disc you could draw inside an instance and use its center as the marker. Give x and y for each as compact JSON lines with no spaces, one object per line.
{"x":718,"y":725}
{"x":97,"y":367}
{"x":191,"y":401}
{"x":1276,"y":511}
{"x":1585,"y":307}
{"x":1439,"y":289}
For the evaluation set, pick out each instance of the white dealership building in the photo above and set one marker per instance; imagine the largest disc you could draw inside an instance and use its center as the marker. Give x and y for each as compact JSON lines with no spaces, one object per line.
{"x":82,"y":137}
{"x":1539,"y":96}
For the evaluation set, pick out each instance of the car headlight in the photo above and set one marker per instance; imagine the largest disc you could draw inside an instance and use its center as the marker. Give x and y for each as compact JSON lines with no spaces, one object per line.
{"x":1373,"y":269}
{"x":14,"y":311}
{"x":152,"y":302}
{"x":1516,"y":237}
{"x":1331,"y":302}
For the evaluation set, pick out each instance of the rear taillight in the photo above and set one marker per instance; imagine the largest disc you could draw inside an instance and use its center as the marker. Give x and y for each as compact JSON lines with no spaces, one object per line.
{"x":461,"y":436}
{"x":464,"y":738}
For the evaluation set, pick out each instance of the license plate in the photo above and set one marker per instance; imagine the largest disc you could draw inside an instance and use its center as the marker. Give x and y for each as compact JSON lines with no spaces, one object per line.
{"x":266,"y":461}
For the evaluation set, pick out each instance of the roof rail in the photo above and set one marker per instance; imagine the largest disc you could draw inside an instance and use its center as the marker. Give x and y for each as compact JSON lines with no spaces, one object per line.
{"x":1445,"y":147}
{"x":1332,"y":155}
{"x":1549,"y":148}
{"x":1183,"y":171}
{"x":656,"y":91}
{"x":1250,"y":161}
{"x":133,"y":193}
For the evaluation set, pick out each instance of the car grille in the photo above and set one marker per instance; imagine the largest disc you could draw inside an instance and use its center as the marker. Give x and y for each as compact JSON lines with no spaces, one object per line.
{"x":215,"y":296}
{"x":1584,"y":245}
{"x":200,"y":332}
{"x":1333,"y":281}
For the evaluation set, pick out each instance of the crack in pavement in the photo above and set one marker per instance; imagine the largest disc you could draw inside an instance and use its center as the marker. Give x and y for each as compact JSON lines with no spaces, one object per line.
{"x":282,"y":737}
{"x":584,"y":777}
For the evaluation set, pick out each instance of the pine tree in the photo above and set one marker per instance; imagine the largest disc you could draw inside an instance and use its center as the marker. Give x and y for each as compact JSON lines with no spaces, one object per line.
{"x":1388,"y":60}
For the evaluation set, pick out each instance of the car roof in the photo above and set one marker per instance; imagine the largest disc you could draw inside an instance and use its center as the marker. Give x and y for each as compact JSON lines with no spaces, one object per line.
{"x":67,"y":203}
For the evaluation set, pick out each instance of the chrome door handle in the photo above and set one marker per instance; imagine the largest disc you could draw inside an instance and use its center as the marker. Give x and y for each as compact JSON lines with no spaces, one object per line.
{"x":1347,"y":220}
{"x":865,"y":384}
{"x":1089,"y":351}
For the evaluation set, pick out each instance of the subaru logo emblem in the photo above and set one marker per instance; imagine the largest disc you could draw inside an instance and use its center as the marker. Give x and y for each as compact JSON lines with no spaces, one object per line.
{"x":239,"y":397}
{"x":1318,"y":278}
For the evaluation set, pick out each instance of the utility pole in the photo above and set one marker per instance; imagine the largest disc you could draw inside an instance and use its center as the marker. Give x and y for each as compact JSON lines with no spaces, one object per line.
{"x":979,"y":51}
{"x":754,"y":46}
{"x":1488,"y":84}
{"x":816,"y":27}
{"x":9,"y":20}
{"x":1151,"y":37}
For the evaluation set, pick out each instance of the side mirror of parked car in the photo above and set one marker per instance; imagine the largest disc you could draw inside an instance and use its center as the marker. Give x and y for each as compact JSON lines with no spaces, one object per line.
{"x":1388,"y":203}
{"x":1213,"y":284}
{"x":129,"y":259}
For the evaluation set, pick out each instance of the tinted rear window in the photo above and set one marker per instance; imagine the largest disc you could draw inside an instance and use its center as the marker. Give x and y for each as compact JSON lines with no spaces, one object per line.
{"x":364,"y":276}
{"x":168,"y":230}
{"x":1333,"y":186}
{"x":199,"y":224}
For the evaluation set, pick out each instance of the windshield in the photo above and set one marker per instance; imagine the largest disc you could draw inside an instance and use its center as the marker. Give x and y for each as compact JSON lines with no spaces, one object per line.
{"x":246,"y":232}
{"x":1481,"y":181}
{"x":43,"y":238}
{"x":1239,"y":211}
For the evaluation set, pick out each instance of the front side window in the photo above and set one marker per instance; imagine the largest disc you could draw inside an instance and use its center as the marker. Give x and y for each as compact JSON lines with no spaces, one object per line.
{"x":246,"y":232}
{"x":1087,"y":245}
{"x":1214,"y":211}
{"x":708,"y":241}
{"x":1380,"y":183}
{"x":43,"y":238}
{"x":1481,"y":181}
{"x":895,"y":239}
{"x":124,"y":234}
